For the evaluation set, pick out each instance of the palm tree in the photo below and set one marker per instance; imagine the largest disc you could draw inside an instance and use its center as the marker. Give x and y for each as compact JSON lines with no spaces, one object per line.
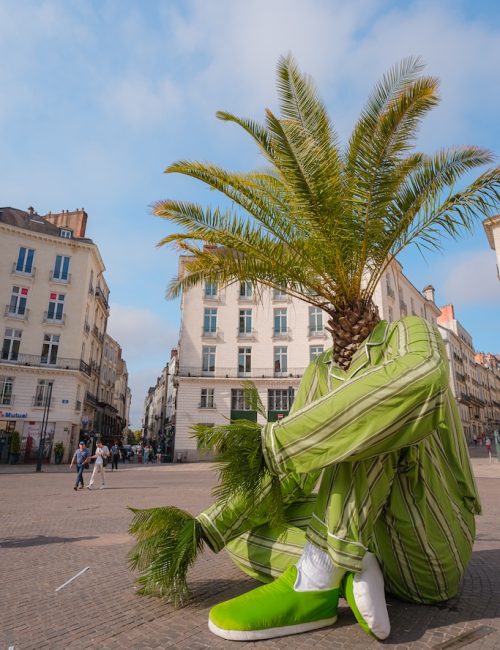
{"x":322,"y":222}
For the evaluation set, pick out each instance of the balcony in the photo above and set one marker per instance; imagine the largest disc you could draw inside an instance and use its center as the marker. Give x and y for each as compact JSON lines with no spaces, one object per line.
{"x":24,"y":274}
{"x":284,"y":333}
{"x":281,"y":297}
{"x":59,"y":280}
{"x":99,"y":294}
{"x":54,"y":321}
{"x":213,"y":335}
{"x":317,"y":332}
{"x":8,"y":313}
{"x":247,"y":335}
{"x":38,"y":361}
{"x":232,"y":373}
{"x":90,"y":398}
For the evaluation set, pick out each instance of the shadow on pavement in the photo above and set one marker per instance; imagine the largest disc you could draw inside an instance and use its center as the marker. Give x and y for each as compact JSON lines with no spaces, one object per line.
{"x":39,"y":540}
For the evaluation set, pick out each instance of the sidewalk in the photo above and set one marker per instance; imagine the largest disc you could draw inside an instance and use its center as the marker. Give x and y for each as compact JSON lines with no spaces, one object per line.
{"x":51,"y":533}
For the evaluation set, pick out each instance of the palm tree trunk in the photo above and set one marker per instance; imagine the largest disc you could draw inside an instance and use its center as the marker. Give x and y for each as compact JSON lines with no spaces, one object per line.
{"x":349,"y":327}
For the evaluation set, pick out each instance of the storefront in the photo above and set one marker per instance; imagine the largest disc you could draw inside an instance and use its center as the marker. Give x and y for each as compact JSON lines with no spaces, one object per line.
{"x":30,"y":434}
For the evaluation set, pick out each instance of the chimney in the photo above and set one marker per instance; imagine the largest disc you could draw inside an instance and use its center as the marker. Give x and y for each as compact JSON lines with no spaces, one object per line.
{"x":447,"y":314}
{"x":75,"y":221}
{"x":428,"y":292}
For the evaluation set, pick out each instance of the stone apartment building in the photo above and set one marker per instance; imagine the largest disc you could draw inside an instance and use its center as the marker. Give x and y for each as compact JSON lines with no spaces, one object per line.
{"x":159,"y":409}
{"x":230,"y":334}
{"x":54,"y":316}
{"x":474,"y":377}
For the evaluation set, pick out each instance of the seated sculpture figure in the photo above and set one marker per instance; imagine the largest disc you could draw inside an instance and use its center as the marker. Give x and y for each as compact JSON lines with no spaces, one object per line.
{"x":397,"y":500}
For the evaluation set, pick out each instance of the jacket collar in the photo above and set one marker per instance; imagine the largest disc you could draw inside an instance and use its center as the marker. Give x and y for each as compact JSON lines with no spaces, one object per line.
{"x":366,"y":353}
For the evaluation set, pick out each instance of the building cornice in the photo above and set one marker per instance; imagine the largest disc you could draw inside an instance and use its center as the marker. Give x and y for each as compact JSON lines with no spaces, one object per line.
{"x":489,"y":225}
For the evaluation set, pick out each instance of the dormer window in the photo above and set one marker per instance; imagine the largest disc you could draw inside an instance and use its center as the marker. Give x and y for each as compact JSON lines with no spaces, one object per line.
{"x":66,"y":234}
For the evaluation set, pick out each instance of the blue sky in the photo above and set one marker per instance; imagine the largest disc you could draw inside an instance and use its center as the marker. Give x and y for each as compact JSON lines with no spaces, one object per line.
{"x":98,"y":97}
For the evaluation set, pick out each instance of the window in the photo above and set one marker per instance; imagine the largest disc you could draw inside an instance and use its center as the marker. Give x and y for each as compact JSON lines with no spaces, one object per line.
{"x":280,"y":321}
{"x":207,"y":398}
{"x":239,"y":402}
{"x":315,"y":320}
{"x":66,"y":234}
{"x":6,"y":385}
{"x":280,"y":399}
{"x":61,"y":268}
{"x":246,"y":289}
{"x":43,"y":392}
{"x":210,"y":321}
{"x":279,"y":294}
{"x":50,"y":348}
{"x":210,"y":289}
{"x":25,"y":260}
{"x":280,"y":359}
{"x":245,"y":321}
{"x":208,"y":358}
{"x":244,"y":361}
{"x":18,"y":300}
{"x":11,"y":343}
{"x":315,"y":351}
{"x":56,"y":307}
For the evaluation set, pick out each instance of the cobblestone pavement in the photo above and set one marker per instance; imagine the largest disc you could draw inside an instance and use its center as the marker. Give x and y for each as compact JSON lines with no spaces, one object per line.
{"x":49,"y":533}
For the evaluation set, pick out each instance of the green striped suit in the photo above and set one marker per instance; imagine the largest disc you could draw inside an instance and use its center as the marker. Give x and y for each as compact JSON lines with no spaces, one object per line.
{"x":396,"y":476}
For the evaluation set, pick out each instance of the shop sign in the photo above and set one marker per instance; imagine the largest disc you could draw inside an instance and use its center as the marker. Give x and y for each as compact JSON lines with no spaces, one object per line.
{"x":13,"y":414}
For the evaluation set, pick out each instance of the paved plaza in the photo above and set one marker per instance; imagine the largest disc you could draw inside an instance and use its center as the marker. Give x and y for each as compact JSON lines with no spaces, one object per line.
{"x":49,"y":533}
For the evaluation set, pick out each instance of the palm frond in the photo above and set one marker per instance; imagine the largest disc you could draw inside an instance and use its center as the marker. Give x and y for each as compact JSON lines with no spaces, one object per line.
{"x":168,"y":542}
{"x":241,"y":466}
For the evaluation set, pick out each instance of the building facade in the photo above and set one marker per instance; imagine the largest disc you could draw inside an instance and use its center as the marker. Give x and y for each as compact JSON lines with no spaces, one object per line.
{"x":159,"y":410}
{"x":54,"y":315}
{"x":232,"y":334}
{"x":492,"y":229}
{"x":474,"y":378}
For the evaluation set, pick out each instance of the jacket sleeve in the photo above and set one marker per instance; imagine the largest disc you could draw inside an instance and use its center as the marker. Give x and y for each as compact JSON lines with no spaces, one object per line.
{"x":224,"y":521}
{"x":389,"y":405}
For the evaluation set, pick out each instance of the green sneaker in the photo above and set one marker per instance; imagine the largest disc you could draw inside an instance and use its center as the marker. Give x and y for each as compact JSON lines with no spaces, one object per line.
{"x":274,"y":610}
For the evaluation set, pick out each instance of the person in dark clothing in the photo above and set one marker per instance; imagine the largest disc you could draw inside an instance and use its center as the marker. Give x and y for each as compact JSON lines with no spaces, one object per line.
{"x":82,"y":457}
{"x":115,"y":455}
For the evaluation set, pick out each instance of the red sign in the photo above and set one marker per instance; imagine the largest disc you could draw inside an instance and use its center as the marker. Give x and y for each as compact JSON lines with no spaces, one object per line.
{"x":24,"y":291}
{"x":279,"y":416}
{"x":53,"y":296}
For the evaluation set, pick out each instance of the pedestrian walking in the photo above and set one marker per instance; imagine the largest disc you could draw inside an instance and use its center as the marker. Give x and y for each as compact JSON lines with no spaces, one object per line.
{"x":115,"y":455}
{"x":488,"y":446}
{"x":81,"y":457}
{"x":101,"y":454}
{"x":145,"y":454}
{"x":474,"y":439}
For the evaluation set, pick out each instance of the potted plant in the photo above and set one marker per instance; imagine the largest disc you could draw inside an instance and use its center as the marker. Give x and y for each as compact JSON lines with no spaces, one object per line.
{"x":58,"y":452}
{"x":15,"y":448}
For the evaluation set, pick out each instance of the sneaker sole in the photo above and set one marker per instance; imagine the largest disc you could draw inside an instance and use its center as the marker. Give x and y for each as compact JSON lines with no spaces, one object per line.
{"x":270,"y":633}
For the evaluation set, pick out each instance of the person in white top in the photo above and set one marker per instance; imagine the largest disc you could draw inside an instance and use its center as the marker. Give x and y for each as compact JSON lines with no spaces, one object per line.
{"x":101,"y":453}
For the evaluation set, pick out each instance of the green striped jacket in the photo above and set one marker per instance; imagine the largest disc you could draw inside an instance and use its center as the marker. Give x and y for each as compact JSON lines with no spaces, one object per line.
{"x":395,"y":396}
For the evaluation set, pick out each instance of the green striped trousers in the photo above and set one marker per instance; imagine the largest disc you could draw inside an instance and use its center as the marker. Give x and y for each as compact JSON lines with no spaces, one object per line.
{"x":423,"y":553}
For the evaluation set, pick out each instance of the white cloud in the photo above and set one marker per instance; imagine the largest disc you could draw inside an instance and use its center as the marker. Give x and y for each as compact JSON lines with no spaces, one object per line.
{"x":470,"y":279}
{"x":140,"y":101}
{"x":146,"y":340}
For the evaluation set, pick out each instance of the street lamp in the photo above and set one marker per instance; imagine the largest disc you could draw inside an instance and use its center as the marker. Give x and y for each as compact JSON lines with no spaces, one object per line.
{"x":41,"y":445}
